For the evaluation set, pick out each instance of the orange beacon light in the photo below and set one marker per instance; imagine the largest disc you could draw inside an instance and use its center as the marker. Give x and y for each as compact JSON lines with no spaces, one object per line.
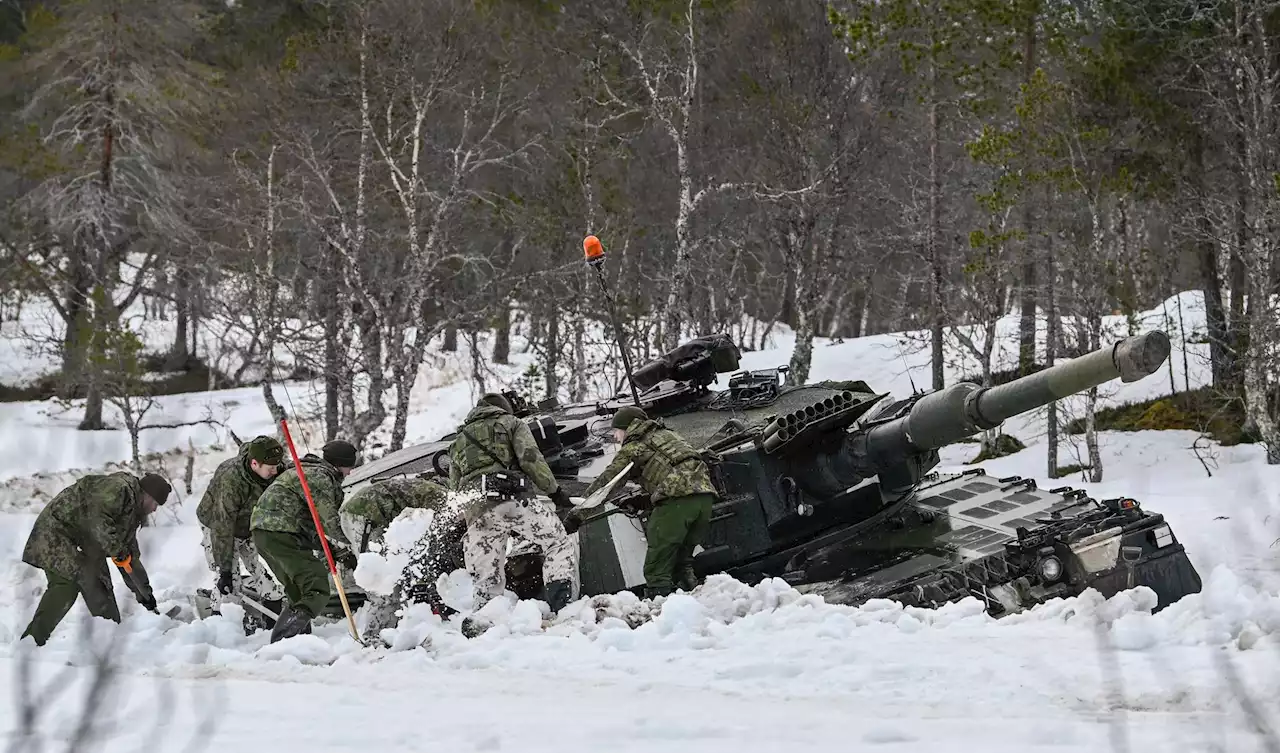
{"x":593,"y":249}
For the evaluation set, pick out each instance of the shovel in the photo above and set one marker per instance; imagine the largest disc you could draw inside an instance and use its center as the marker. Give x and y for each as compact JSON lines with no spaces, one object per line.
{"x":597,"y":498}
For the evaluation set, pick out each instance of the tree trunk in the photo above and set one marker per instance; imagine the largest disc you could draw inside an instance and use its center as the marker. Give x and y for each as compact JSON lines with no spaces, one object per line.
{"x":552,"y":351}
{"x":859,"y":310}
{"x":578,"y":387}
{"x":269,"y":396}
{"x":450,"y":339}
{"x":196,"y":313}
{"x":332,"y":365}
{"x":1211,"y":284}
{"x":92,"y":420}
{"x":179,"y":358}
{"x":1093,"y":335}
{"x":1027,"y":294}
{"x":1091,"y":435}
{"x":1237,"y":323}
{"x":1051,"y":351}
{"x":502,"y":335}
{"x":932,"y":245}
{"x":477,"y":361}
{"x":802,"y":355}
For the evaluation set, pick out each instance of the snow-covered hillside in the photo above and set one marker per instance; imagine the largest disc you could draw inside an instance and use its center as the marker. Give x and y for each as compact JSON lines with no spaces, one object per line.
{"x":728,"y":668}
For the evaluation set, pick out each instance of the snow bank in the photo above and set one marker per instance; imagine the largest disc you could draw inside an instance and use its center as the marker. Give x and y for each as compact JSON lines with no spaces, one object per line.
{"x":722,"y":615}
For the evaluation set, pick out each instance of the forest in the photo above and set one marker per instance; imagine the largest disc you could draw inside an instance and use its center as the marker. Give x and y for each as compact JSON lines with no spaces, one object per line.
{"x":351,"y":180}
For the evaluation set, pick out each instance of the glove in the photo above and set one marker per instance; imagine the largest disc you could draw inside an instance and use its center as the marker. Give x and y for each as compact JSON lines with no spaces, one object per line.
{"x":561,"y":498}
{"x":571,"y":523}
{"x":224,"y":582}
{"x":149,"y":601}
{"x":348,"y":560}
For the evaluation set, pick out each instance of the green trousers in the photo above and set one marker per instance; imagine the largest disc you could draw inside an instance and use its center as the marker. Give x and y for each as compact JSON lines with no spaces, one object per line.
{"x":676,"y":527}
{"x":94,"y":584}
{"x":304,"y":576}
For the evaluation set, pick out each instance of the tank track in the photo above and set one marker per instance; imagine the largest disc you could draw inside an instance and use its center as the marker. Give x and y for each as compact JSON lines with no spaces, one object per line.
{"x":1002,"y":533}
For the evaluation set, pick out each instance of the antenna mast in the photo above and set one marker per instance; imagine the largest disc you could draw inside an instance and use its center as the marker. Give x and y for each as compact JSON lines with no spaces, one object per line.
{"x":594,"y":252}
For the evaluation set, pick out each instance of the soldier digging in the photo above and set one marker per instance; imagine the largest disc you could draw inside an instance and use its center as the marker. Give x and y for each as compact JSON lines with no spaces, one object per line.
{"x":368,"y":513}
{"x":285,"y":535}
{"x":496,"y":455}
{"x":678,"y":483}
{"x":95,"y":519}
{"x":224,"y":514}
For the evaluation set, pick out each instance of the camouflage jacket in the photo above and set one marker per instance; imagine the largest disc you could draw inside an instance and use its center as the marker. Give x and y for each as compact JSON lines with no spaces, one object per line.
{"x":227,"y":505}
{"x":665,"y":465}
{"x":379,"y":503}
{"x":283,"y":507}
{"x":507,"y":438}
{"x":96,"y":517}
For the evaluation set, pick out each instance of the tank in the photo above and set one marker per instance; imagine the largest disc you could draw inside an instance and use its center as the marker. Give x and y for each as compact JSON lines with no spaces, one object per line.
{"x":832,"y":487}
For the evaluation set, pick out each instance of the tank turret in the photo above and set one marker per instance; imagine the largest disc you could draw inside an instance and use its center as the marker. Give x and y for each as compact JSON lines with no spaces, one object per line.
{"x":898,"y":441}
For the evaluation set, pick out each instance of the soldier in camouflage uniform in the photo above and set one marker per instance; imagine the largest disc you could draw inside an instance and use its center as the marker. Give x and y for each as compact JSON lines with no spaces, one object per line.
{"x":678,"y":483}
{"x":496,"y":458}
{"x":368,"y":513}
{"x":285,"y":534}
{"x":95,"y":519}
{"x":224,"y":513}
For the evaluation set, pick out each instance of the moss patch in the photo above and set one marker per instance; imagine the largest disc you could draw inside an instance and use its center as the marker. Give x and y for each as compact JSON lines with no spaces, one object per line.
{"x":1071,"y":470}
{"x":1207,"y":410}
{"x":195,"y":378}
{"x":1005,"y":444}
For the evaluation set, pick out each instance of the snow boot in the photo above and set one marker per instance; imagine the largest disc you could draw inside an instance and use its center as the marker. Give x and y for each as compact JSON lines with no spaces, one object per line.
{"x":558,"y":593}
{"x":474,"y":627}
{"x":292,"y":622}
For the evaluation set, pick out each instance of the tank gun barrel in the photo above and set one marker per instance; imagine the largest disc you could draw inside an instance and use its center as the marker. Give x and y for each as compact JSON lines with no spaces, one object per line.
{"x":965,"y":409}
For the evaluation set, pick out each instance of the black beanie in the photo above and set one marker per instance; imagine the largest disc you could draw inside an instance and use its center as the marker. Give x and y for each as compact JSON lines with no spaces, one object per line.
{"x":340,"y":454}
{"x":497,"y":401}
{"x":156,"y":487}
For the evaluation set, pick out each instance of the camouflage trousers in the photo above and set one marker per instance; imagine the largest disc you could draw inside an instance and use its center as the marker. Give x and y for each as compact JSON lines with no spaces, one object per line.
{"x":93,"y":585}
{"x":255,"y":576}
{"x":676,"y":527}
{"x":485,"y":549}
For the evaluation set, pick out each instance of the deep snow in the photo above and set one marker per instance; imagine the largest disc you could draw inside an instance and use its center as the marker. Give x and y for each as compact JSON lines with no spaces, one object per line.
{"x":727,"y":668}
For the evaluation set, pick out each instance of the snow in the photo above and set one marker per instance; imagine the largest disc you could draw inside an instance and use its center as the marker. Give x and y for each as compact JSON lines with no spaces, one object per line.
{"x":728,"y":668}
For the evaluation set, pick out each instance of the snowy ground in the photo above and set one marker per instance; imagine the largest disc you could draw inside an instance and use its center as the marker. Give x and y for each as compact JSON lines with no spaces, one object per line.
{"x":728,"y":668}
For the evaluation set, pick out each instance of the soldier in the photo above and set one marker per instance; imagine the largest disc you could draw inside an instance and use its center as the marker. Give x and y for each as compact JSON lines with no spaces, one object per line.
{"x":366,"y":516}
{"x":224,"y":513}
{"x":496,"y":455}
{"x":678,"y":483}
{"x":94,"y":519}
{"x":285,"y":534}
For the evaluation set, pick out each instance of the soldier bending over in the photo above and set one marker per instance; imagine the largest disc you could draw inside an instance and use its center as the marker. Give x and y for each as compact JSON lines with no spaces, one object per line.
{"x":94,"y":519}
{"x":678,"y":483}
{"x":224,"y":513}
